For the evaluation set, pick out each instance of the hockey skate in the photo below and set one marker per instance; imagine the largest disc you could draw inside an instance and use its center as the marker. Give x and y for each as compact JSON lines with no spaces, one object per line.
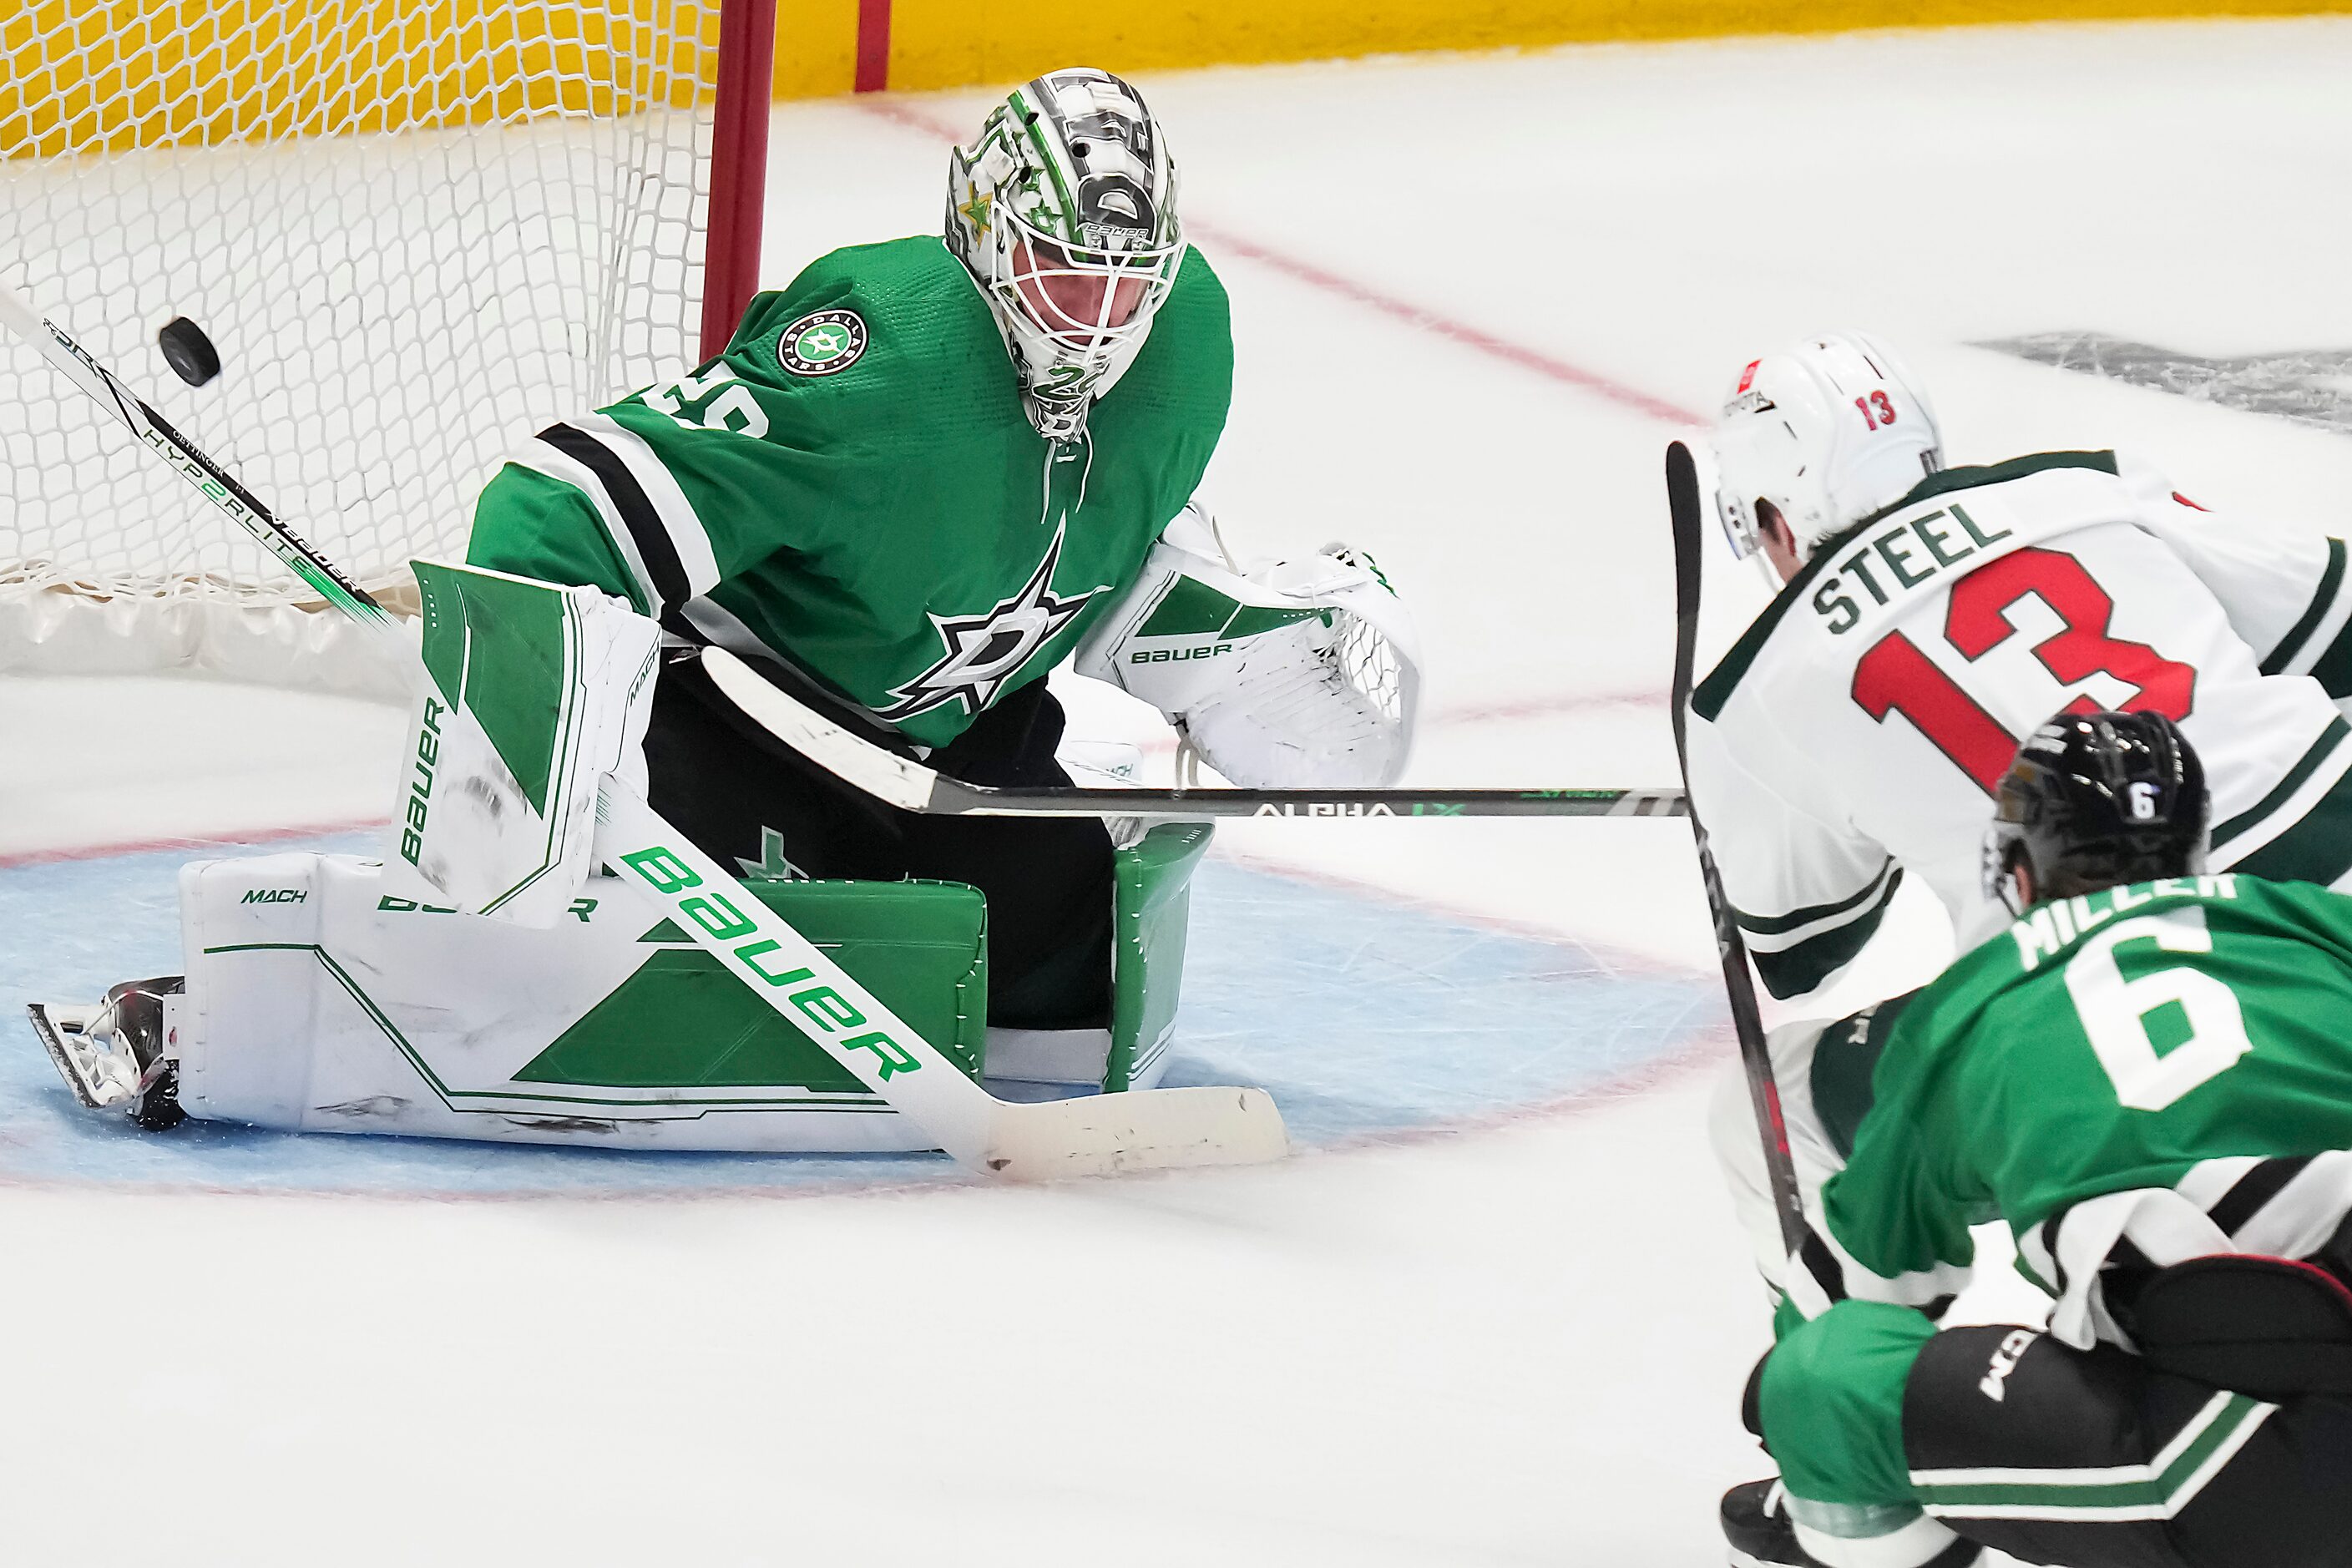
{"x":1757,"y":1529}
{"x":118,"y":1055}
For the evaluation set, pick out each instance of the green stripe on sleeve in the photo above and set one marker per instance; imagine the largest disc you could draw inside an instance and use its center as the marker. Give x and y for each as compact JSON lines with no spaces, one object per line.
{"x":2321,"y":602}
{"x":2333,"y":668}
{"x":2321,"y":750}
{"x":1773,"y":925}
{"x":1793,"y":971}
{"x":2318,"y":849}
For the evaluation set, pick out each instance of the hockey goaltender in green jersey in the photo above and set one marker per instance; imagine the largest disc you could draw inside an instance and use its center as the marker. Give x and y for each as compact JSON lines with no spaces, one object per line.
{"x":854,"y":477}
{"x":922,"y":476}
{"x":2149,"y":1082}
{"x":919,"y":478}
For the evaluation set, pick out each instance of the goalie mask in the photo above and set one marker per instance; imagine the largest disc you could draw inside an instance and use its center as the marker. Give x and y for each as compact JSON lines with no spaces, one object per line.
{"x":1064,"y":211}
{"x":1828,"y":431}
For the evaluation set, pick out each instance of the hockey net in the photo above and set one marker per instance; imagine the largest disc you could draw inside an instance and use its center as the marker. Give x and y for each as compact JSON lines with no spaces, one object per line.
{"x":417,"y":230}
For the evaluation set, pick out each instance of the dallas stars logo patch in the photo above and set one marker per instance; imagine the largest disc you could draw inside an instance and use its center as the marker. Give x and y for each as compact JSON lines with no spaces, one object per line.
{"x":823,"y":342}
{"x":984,"y":652}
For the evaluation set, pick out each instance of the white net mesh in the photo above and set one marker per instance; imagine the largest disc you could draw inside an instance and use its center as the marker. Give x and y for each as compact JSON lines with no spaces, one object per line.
{"x":418,"y":230}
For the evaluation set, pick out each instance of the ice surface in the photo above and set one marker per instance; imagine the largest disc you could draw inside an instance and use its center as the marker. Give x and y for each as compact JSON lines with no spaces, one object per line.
{"x":1518,"y":1343}
{"x":1364,"y":1017}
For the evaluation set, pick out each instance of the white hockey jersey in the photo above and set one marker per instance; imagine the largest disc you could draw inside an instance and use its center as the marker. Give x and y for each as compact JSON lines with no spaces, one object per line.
{"x":1857,"y":729}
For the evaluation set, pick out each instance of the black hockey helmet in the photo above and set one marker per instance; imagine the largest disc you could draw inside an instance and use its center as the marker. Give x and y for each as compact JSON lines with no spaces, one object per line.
{"x":2096,"y":800}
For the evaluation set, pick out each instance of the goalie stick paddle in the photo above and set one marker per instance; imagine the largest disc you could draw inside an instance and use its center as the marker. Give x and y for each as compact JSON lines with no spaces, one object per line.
{"x":1683,"y":504}
{"x":1106,"y":1134}
{"x":1099,"y":1135}
{"x":910,"y":787}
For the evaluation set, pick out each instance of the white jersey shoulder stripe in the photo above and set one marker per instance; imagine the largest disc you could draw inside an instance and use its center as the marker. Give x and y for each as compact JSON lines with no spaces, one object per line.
{"x":542,"y":458}
{"x":678,"y":518}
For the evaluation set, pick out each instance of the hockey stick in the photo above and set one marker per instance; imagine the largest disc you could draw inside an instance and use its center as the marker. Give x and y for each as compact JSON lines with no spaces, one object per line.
{"x":1092,"y":1135}
{"x":910,"y":787}
{"x":1684,"y":502}
{"x":211,"y":481}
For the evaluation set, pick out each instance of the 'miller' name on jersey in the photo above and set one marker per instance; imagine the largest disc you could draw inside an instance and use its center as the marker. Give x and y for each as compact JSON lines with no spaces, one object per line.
{"x":1892,"y":550}
{"x":2051,"y":926}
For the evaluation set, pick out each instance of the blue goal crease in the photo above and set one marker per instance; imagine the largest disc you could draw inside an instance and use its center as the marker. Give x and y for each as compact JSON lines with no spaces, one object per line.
{"x":1361,"y":1016}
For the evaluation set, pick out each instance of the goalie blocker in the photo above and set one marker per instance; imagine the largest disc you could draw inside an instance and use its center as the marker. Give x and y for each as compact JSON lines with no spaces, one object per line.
{"x":338,"y":993}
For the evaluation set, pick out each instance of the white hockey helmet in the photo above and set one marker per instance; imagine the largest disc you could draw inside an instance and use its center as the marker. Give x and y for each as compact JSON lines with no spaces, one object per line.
{"x":1828,"y":430}
{"x":1064,"y":211}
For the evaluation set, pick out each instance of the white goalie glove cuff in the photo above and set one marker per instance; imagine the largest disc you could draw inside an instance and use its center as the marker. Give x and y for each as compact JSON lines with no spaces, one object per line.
{"x":1298,"y":674}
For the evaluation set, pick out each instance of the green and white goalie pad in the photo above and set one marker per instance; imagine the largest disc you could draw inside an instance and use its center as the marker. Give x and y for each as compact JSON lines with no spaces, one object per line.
{"x":317,"y":1000}
{"x":1297,"y":673}
{"x":533,"y":693}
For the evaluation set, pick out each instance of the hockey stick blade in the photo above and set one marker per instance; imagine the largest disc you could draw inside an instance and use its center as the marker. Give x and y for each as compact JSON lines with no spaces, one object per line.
{"x":1147,"y":1129}
{"x":910,"y":787}
{"x":1095,"y":1135}
{"x":1687,"y":510}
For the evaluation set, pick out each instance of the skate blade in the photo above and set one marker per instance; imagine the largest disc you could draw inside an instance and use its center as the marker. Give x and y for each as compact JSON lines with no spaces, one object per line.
{"x":63,"y":1032}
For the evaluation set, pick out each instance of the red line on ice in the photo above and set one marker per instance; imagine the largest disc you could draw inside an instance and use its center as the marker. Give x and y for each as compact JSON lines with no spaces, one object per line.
{"x":227,"y":838}
{"x":1377,"y":301}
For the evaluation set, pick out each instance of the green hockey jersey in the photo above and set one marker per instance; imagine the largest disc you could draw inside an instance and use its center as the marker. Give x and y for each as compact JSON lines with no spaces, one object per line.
{"x":853,"y":487}
{"x":2151,"y":1073}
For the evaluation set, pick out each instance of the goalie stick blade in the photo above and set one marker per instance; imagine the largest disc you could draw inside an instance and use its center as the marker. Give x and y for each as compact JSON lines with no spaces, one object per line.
{"x":889,"y":778}
{"x":1146,"y":1130}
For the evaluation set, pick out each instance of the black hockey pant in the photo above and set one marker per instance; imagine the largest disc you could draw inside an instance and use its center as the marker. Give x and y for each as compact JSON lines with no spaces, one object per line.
{"x":745,"y":798}
{"x":2098,"y":1460}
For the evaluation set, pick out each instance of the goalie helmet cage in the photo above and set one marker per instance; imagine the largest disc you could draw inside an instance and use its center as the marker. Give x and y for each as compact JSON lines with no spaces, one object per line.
{"x":417,"y":231}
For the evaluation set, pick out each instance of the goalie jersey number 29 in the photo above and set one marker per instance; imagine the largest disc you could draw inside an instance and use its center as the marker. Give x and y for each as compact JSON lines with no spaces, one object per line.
{"x":1856,"y":732}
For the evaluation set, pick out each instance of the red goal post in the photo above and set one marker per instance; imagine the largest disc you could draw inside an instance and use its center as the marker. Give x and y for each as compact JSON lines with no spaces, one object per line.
{"x":417,"y":231}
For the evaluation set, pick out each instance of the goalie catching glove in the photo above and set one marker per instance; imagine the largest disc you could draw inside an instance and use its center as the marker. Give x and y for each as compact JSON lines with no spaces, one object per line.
{"x":1303,"y":673}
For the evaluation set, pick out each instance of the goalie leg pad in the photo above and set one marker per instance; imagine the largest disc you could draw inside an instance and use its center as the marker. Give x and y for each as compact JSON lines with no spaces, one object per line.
{"x":316,"y":1001}
{"x":1151,"y":899}
{"x":1152,"y":904}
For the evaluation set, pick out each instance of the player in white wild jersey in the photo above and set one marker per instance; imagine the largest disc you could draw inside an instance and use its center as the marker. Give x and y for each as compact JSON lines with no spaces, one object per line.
{"x":1931,"y":617}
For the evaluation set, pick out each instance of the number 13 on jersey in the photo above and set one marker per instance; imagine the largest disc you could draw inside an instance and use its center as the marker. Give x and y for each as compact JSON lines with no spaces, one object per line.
{"x":1895,"y":676}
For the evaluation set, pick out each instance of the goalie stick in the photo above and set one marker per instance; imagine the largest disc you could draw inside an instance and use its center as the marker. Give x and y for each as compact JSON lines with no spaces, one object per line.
{"x":910,"y":787}
{"x":215,"y":483}
{"x":1685,"y":504}
{"x":1090,"y":1135}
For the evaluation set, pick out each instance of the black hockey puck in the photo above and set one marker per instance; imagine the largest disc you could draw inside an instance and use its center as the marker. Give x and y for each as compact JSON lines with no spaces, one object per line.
{"x":190,"y":353}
